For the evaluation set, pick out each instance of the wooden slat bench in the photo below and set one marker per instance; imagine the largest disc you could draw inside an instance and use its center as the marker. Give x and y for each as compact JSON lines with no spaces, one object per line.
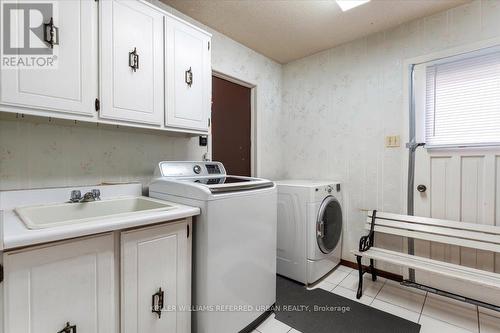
{"x":476,"y":236}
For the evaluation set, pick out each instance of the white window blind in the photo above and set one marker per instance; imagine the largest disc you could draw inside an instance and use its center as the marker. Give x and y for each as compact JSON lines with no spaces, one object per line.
{"x":463,"y":102}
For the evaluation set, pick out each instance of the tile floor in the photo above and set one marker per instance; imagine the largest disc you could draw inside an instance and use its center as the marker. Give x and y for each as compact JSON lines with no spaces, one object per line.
{"x":434,"y":313}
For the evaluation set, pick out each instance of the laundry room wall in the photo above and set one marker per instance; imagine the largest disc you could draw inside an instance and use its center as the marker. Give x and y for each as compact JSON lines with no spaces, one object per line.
{"x":36,"y":153}
{"x":338,"y":106}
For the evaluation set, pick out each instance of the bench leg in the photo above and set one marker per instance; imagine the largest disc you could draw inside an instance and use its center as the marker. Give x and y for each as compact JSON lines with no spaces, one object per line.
{"x":373,"y":271}
{"x":360,"y":283}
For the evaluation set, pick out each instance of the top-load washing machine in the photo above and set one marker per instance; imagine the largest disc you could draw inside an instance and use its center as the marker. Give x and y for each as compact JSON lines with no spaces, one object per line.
{"x":310,"y":223}
{"x":234,"y":257}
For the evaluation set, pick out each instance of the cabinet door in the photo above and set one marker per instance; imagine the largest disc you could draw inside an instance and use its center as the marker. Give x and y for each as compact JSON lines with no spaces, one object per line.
{"x":132,"y":29}
{"x":188,"y":76}
{"x":154,"y":258}
{"x":70,"y":87}
{"x":73,"y":282}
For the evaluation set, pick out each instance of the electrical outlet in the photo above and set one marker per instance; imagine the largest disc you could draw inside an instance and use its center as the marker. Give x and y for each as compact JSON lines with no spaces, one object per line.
{"x":392,"y":141}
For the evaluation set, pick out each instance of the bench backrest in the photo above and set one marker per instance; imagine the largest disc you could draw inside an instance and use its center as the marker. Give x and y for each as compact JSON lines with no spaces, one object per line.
{"x":477,"y":236}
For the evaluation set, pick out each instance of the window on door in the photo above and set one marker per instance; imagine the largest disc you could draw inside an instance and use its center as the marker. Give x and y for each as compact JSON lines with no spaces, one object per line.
{"x":460,"y":99}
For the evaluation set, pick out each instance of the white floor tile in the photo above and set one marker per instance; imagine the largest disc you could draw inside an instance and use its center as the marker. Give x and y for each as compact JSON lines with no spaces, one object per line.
{"x":451,"y":311}
{"x":489,"y":324}
{"x":370,"y":288}
{"x":395,"y":310}
{"x":351,"y":294}
{"x":325,"y":285}
{"x":431,"y":325}
{"x":294,"y":331}
{"x":271,"y":325}
{"x":395,"y":294}
{"x":336,"y":276}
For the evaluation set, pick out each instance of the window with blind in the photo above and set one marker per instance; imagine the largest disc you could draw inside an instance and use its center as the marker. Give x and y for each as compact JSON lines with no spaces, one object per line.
{"x":462,"y":104}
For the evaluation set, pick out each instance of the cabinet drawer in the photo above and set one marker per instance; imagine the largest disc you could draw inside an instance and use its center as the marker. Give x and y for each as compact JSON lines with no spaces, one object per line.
{"x":72,"y":86}
{"x":72,"y":282}
{"x":188,"y":76}
{"x":156,"y":268}
{"x":132,"y":62}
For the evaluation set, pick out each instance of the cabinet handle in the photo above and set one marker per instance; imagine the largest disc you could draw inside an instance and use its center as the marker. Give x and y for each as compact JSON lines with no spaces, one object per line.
{"x":157,"y":302}
{"x":133,"y":59}
{"x":68,"y":329}
{"x":188,"y":77}
{"x":51,"y":33}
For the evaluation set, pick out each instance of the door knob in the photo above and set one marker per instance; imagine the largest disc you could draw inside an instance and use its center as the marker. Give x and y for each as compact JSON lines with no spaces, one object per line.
{"x":421,"y":188}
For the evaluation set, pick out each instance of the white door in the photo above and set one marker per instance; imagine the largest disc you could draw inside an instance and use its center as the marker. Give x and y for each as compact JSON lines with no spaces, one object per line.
{"x":188,"y":76}
{"x":70,"y":87}
{"x":156,"y":269}
{"x":461,"y":184}
{"x":132,"y":62}
{"x":52,"y":286}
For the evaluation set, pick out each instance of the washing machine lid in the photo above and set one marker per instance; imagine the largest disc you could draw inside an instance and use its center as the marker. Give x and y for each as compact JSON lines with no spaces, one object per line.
{"x":201,"y":179}
{"x":329,"y":224}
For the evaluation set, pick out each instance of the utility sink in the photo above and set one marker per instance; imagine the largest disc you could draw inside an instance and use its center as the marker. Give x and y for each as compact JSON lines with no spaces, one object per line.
{"x":53,"y":215}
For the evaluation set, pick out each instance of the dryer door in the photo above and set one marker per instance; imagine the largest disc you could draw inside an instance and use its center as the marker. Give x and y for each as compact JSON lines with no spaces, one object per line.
{"x":329,"y":224}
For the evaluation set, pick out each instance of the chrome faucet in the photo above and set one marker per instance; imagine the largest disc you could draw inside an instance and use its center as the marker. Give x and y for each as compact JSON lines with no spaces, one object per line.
{"x":76,"y":196}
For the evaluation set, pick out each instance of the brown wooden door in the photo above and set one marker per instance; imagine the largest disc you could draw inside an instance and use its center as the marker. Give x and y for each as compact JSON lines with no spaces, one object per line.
{"x":231,"y":126}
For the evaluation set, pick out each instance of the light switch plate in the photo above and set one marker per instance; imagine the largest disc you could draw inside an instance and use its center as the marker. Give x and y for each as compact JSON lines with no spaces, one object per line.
{"x":392,"y":141}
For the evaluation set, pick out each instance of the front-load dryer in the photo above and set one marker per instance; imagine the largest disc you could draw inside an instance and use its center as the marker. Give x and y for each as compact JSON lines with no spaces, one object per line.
{"x":310,"y":223}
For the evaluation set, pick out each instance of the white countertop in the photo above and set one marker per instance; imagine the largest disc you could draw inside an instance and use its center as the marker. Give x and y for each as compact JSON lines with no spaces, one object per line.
{"x":15,"y":233}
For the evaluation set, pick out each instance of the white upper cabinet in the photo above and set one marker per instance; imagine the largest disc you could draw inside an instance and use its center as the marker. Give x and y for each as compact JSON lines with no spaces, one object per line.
{"x":69,"y":285}
{"x":71,"y":86}
{"x":123,"y":62}
{"x":188,"y":76}
{"x":156,"y":279}
{"x":132,"y":62}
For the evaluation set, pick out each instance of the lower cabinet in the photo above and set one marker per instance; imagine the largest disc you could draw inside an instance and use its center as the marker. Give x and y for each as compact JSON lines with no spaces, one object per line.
{"x":72,"y":286}
{"x":68,"y":287}
{"x":156,"y":280}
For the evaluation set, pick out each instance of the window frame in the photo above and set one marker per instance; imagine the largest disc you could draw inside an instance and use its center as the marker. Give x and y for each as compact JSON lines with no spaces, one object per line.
{"x":419,"y":86}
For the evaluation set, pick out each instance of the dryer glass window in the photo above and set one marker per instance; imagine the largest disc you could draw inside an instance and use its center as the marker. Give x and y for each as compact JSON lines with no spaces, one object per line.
{"x":329,"y":225}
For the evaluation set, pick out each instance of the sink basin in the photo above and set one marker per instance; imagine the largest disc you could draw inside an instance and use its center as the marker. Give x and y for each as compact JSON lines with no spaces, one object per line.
{"x":53,"y":215}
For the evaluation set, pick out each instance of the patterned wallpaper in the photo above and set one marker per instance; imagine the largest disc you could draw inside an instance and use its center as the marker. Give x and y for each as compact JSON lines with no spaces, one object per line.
{"x":338,"y":106}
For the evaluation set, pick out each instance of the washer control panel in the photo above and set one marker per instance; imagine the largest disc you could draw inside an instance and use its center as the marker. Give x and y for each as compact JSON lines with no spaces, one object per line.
{"x":190,"y":169}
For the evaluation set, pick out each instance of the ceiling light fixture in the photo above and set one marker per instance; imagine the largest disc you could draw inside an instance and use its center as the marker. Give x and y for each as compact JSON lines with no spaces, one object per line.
{"x":345,"y":5}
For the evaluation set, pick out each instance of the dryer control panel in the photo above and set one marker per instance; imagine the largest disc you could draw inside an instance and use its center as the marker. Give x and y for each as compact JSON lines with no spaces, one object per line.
{"x":331,"y":189}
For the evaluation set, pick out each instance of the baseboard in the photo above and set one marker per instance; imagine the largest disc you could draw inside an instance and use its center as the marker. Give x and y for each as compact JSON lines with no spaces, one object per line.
{"x":384,"y":274}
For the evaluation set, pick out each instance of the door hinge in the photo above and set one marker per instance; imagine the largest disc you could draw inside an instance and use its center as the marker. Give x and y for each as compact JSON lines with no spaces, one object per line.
{"x":188,"y":231}
{"x":208,"y":122}
{"x":1,"y":273}
{"x":209,"y":46}
{"x":97,"y":104}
